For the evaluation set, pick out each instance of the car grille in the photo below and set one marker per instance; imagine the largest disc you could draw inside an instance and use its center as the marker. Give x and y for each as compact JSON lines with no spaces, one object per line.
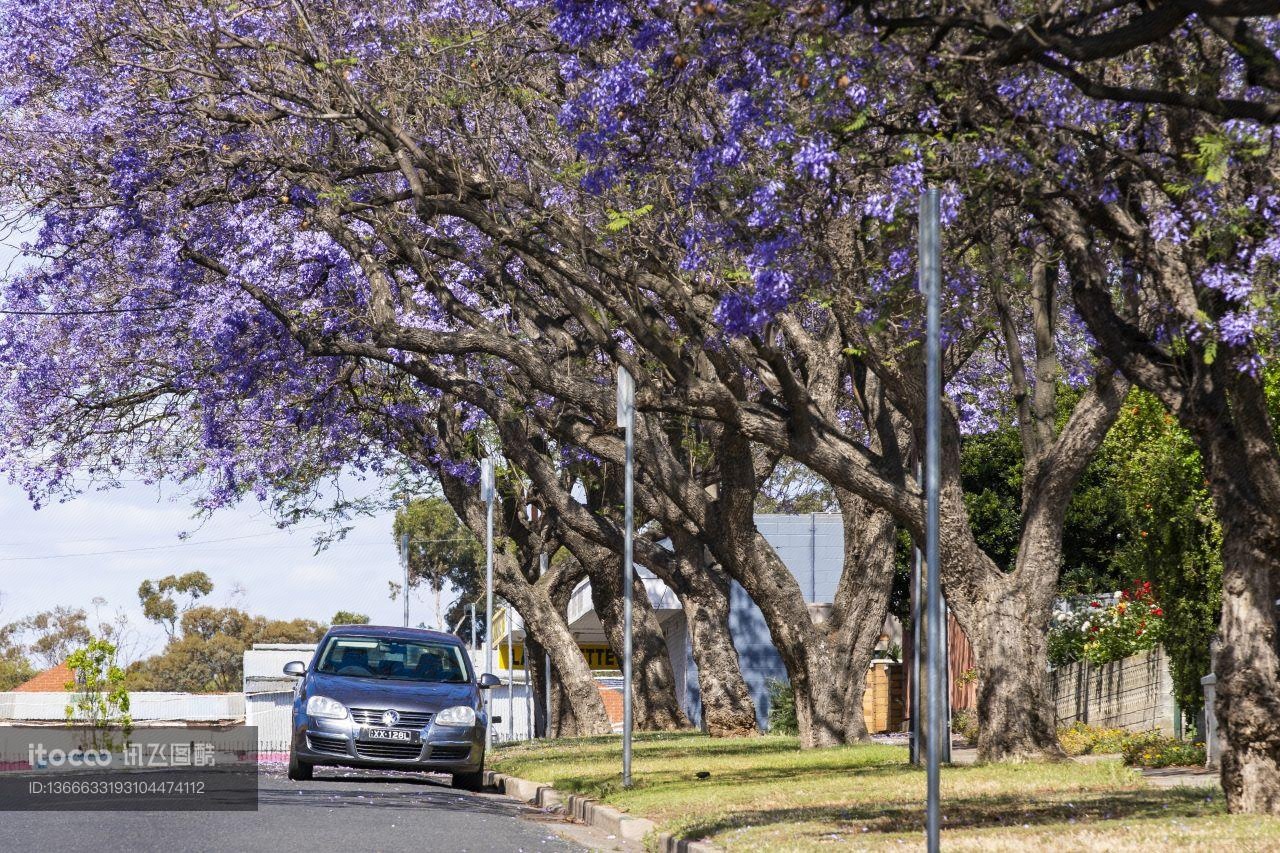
{"x":408,"y":719}
{"x":392,"y":751}
{"x":333,"y":744}
{"x":450,"y":752}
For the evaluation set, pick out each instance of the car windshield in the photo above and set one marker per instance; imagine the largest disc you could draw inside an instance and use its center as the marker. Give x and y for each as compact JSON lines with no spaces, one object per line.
{"x":393,"y":659}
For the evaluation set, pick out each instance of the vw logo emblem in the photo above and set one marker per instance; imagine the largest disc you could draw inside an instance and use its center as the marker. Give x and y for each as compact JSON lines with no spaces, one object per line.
{"x":390,"y":718}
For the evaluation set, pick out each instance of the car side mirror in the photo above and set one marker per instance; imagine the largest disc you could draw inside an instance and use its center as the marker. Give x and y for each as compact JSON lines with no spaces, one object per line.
{"x":489,"y":680}
{"x":295,"y":668}
{"x":497,"y":719}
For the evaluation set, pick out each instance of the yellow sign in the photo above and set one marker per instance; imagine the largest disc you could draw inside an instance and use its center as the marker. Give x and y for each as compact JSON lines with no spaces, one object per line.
{"x":598,"y":655}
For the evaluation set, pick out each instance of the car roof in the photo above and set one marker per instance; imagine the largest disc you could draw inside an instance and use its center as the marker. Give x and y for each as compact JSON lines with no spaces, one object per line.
{"x":392,"y":632}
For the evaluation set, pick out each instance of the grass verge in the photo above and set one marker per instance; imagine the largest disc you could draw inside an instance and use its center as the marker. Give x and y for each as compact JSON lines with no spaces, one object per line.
{"x":764,"y":793}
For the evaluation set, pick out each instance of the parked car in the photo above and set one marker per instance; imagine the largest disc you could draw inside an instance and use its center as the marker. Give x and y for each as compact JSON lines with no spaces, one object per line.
{"x":389,"y":698}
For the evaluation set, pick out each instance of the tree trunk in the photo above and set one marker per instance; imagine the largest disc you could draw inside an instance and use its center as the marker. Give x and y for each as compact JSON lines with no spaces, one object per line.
{"x":750,"y":560}
{"x":575,"y":676}
{"x":653,"y":682}
{"x":1017,"y":721}
{"x":861,"y":601}
{"x":1243,"y":469}
{"x":542,"y":617}
{"x":727,"y":708}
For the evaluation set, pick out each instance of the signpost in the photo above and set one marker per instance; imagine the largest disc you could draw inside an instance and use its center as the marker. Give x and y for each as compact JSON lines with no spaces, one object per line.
{"x":931,"y":285}
{"x":627,"y":420}
{"x":487,"y":495}
{"x":543,"y":565}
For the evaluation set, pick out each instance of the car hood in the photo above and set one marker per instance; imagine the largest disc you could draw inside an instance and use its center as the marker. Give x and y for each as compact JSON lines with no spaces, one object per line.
{"x":403,"y":695}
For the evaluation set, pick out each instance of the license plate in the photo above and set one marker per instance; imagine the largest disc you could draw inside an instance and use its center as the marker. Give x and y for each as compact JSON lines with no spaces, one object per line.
{"x":397,"y":735}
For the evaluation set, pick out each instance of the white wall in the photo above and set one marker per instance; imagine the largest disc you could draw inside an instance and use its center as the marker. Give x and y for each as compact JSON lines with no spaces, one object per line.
{"x":142,"y":706}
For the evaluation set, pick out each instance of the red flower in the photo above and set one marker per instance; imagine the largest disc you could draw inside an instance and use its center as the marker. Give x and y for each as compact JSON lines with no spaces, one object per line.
{"x":1139,"y":634}
{"x":1095,"y":604}
{"x":1157,"y":612}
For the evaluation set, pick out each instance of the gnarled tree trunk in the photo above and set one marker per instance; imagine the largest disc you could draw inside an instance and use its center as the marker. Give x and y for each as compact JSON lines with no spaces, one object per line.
{"x":861,"y":601}
{"x":703,"y":590}
{"x":1243,"y":468}
{"x":653,"y":682}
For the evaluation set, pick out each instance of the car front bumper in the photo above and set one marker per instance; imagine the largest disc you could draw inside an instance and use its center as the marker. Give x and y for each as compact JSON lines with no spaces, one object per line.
{"x":447,"y":749}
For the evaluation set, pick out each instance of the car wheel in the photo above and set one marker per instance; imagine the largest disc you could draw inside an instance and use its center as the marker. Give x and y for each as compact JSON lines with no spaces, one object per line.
{"x":469,"y":781}
{"x":299,"y":771}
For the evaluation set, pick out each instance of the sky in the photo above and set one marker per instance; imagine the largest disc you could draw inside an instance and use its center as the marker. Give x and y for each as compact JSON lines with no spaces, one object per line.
{"x":104,"y":544}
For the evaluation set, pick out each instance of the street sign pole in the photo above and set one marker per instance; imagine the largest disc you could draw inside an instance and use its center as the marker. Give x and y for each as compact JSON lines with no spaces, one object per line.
{"x":931,"y":284}
{"x":917,"y":652}
{"x":627,"y":420}
{"x":486,"y":495}
{"x":511,"y":674}
{"x":543,"y":568}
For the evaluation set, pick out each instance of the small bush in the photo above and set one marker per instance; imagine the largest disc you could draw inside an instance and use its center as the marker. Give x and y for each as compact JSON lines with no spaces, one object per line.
{"x":782,"y":708}
{"x":1152,"y":749}
{"x":964,"y":722}
{"x":1084,"y":739}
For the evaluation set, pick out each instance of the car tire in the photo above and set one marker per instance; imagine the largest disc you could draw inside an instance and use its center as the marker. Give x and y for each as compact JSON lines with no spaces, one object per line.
{"x":299,"y":771}
{"x":469,"y":781}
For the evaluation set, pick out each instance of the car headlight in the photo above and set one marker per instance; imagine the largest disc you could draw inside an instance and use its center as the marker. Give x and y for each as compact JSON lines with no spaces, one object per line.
{"x":458,"y":715}
{"x":323,"y":706}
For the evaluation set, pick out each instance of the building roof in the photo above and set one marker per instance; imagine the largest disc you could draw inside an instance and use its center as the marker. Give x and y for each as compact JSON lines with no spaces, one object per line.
{"x":52,"y":680}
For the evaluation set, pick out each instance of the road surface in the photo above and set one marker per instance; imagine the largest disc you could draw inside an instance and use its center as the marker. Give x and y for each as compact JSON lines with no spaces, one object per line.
{"x":349,"y":810}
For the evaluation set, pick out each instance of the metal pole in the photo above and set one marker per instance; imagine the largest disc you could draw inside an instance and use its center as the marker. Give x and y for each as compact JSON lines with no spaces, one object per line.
{"x":931,"y":284}
{"x":946,"y":684}
{"x":627,"y":419}
{"x":543,"y":566}
{"x":511,"y":675}
{"x":917,"y":652}
{"x":404,"y":560}
{"x":528,"y":685}
{"x":486,"y":493}
{"x":474,"y":643}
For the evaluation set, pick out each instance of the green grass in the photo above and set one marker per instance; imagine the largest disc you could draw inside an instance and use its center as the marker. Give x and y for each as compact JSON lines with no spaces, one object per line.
{"x":765,"y":794}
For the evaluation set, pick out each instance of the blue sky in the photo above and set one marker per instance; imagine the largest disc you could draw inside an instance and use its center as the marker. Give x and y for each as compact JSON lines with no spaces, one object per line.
{"x":104,"y":544}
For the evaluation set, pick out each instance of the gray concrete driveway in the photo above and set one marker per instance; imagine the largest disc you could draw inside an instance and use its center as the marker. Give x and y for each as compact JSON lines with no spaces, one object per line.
{"x":346,"y":810}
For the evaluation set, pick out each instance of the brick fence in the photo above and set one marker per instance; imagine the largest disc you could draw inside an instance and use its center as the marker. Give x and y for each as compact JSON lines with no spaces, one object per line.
{"x":1135,"y":693}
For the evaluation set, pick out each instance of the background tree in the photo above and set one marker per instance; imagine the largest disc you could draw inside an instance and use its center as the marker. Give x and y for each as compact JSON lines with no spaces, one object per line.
{"x":206,"y":655}
{"x":348,"y":617}
{"x":159,"y":598}
{"x":15,"y":668}
{"x":442,"y":554}
{"x":54,"y":634}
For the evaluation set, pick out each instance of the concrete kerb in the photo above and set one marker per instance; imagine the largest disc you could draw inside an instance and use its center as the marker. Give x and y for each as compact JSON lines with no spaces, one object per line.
{"x":593,"y":813}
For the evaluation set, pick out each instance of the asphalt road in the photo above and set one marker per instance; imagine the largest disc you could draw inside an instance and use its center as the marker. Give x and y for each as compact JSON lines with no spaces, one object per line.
{"x":347,"y":810}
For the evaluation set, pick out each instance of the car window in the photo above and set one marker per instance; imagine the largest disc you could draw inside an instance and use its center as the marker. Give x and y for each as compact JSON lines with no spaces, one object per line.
{"x":393,"y":659}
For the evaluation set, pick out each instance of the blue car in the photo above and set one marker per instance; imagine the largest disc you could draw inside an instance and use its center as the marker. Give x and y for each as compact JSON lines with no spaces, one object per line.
{"x":389,"y":698}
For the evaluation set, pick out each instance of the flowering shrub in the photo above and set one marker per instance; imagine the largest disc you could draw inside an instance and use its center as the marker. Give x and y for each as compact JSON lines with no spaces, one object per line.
{"x":1083,"y":739}
{"x":1100,"y":633}
{"x":1133,"y":624}
{"x":1152,"y":749}
{"x":1139,"y":749}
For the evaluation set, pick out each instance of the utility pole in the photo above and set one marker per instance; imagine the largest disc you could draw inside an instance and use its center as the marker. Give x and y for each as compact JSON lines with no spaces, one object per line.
{"x":474,"y":644}
{"x":404,"y":561}
{"x":627,"y":420}
{"x":931,"y":284}
{"x":487,"y":495}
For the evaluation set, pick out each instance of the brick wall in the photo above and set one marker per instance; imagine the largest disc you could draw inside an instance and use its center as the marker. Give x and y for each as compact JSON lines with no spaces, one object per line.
{"x":1135,"y":693}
